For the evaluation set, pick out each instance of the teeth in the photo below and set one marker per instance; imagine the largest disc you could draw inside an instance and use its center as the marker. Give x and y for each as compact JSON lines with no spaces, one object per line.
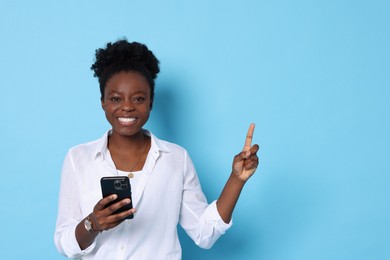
{"x":126,"y":119}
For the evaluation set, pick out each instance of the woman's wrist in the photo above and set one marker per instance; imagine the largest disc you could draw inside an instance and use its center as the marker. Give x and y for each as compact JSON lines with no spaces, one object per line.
{"x":85,"y":235}
{"x":235,"y":178}
{"x":90,"y":225}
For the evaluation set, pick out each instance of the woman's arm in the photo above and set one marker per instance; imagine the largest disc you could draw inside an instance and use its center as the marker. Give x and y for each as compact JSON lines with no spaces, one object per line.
{"x":101,"y":218}
{"x":244,"y":166}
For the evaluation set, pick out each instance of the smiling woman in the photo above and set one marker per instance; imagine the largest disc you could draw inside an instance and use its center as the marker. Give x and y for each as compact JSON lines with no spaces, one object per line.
{"x":165,"y":187}
{"x":127,"y":103}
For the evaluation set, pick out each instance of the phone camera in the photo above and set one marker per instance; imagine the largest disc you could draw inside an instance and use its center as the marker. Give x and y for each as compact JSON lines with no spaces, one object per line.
{"x":120,"y":185}
{"x":124,"y":184}
{"x":117,"y":184}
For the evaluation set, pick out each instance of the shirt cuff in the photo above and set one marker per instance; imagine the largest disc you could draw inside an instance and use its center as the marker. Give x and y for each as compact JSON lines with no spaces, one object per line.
{"x":73,"y":249}
{"x":212,"y":215}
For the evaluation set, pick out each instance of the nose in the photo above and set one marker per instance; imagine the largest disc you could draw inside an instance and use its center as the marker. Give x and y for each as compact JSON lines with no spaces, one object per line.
{"x":127,"y":105}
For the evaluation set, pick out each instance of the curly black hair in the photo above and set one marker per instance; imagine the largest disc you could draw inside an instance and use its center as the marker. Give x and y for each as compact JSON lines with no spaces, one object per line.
{"x":124,"y":56}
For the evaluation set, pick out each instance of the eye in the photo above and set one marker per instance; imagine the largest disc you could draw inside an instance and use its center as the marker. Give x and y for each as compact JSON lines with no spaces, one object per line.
{"x":115,"y":99}
{"x":139,"y":99}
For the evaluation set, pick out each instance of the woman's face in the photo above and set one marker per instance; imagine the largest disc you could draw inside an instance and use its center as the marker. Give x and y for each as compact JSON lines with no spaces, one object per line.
{"x":126,"y":102}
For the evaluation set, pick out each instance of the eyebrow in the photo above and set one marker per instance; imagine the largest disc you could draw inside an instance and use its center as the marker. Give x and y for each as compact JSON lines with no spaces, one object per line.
{"x":119,"y":92}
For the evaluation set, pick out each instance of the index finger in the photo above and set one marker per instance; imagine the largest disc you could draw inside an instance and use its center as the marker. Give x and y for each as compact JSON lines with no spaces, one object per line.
{"x":103,"y":202}
{"x":249,"y":137}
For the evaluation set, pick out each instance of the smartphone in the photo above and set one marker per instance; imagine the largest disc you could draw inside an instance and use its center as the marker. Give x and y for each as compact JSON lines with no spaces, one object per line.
{"x":119,"y":185}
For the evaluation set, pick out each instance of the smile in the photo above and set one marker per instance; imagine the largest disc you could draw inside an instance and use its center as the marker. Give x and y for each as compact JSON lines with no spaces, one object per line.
{"x":126,"y":120}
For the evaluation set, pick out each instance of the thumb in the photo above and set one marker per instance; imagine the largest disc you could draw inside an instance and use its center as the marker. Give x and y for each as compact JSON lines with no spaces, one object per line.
{"x":242,"y":156}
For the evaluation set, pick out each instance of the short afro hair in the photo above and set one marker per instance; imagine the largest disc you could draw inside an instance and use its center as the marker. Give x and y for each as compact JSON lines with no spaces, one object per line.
{"x":124,"y":56}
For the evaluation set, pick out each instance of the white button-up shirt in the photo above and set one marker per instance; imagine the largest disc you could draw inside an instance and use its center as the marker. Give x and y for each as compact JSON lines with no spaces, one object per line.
{"x":167,"y":192}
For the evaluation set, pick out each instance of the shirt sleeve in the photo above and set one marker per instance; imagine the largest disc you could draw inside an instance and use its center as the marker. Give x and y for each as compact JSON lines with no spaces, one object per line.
{"x":201,"y":221}
{"x":69,"y":213}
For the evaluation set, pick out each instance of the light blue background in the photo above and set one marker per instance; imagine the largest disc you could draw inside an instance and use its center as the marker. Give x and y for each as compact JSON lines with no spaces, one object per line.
{"x":313,"y":76}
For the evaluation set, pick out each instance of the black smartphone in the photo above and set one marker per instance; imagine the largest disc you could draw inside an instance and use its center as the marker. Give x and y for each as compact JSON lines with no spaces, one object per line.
{"x":119,"y":185}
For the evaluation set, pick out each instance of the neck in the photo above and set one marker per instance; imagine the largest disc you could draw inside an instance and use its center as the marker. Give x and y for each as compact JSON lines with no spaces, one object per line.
{"x":127,"y":144}
{"x":128,"y":152}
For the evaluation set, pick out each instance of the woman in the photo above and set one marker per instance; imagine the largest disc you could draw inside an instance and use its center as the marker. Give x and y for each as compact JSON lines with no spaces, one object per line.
{"x":165,"y":187}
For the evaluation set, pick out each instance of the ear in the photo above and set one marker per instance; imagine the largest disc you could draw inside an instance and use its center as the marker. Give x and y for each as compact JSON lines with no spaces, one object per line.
{"x":103,"y":104}
{"x":151,"y":105}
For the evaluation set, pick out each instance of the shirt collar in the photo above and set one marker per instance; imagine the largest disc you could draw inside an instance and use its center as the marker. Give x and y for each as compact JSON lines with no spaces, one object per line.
{"x":157,"y":145}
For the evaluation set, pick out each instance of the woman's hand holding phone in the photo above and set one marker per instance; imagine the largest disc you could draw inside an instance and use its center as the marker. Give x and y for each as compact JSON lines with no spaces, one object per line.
{"x":105,"y":218}
{"x":109,"y":212}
